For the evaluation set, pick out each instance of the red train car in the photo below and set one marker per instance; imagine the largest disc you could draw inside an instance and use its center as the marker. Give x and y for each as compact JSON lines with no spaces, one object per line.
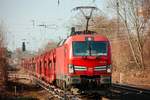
{"x":78,"y":60}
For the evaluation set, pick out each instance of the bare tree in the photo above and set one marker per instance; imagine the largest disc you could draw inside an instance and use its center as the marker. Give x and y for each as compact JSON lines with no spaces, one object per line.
{"x":136,"y":25}
{"x":2,"y":35}
{"x":3,"y":64}
{"x":50,"y":45}
{"x":105,"y":26}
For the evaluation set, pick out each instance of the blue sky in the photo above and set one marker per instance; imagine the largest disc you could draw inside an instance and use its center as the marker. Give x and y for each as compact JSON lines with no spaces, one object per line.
{"x":18,"y":16}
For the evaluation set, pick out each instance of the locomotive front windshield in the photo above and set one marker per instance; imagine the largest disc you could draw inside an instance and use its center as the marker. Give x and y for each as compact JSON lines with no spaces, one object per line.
{"x":90,"y":48}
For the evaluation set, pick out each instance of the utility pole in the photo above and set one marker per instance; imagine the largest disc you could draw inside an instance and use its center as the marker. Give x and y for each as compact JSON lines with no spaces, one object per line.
{"x":23,"y":46}
{"x":58,"y":2}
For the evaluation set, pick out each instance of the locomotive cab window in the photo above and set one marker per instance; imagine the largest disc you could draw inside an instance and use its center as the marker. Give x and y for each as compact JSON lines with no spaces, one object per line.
{"x":90,"y":48}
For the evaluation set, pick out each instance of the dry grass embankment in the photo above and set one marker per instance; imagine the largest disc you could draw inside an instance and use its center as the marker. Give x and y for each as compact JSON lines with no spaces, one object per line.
{"x":125,"y":69}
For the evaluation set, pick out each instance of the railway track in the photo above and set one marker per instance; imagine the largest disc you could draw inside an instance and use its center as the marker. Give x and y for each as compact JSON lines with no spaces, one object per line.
{"x":55,"y":91}
{"x":128,"y":92}
{"x":65,"y":94}
{"x":115,"y":92}
{"x":131,"y":88}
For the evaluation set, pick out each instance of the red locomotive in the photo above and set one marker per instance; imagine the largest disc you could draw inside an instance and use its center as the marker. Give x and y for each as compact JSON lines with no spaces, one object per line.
{"x":78,"y":60}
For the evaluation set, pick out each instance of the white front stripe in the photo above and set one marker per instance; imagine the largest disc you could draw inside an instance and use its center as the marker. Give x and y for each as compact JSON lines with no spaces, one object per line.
{"x":100,"y":67}
{"x":80,"y":68}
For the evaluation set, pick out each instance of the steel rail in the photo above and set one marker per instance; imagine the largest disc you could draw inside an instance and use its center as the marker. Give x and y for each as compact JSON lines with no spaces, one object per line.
{"x":131,"y":88}
{"x":129,"y":92}
{"x":56,"y":92}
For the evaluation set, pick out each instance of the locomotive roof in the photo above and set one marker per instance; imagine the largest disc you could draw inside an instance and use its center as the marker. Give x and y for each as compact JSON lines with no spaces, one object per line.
{"x":81,"y":35}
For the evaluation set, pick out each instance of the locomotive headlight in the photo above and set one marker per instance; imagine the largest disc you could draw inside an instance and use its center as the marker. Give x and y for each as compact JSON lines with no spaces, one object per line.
{"x":71,"y":68}
{"x":109,"y":69}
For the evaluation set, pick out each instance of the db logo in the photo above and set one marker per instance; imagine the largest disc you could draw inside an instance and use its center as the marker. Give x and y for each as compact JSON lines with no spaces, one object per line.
{"x":90,"y":68}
